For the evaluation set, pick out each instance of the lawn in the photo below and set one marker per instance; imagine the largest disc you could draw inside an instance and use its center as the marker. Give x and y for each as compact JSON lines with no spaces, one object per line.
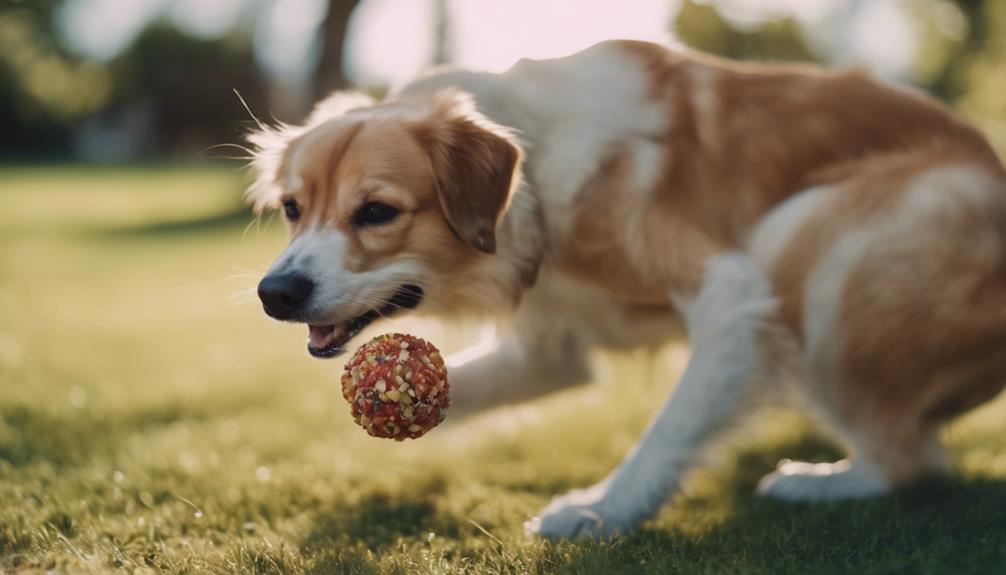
{"x":152,"y":420}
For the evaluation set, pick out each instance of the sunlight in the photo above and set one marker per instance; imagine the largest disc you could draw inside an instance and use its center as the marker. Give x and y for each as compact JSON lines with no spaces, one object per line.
{"x":392,"y":41}
{"x":389,"y":41}
{"x":101,"y":29}
{"x":486,"y":343}
{"x":750,"y":13}
{"x":285,"y":39}
{"x":884,"y":39}
{"x":206,"y":19}
{"x":493,"y":36}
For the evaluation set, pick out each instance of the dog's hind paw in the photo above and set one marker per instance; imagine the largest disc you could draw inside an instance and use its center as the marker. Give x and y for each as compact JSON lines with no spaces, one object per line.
{"x":810,"y":482}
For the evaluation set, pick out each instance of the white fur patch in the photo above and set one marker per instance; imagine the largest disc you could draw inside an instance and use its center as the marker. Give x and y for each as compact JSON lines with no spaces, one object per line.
{"x":942,"y":189}
{"x":582,"y":107}
{"x":706,"y":100}
{"x":648,"y":161}
{"x":775,"y":231}
{"x":822,"y":299}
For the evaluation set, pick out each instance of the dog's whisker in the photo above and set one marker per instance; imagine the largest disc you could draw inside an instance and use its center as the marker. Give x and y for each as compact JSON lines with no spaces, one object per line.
{"x":247,"y":108}
{"x":244,"y":149}
{"x":248,"y":272}
{"x":243,"y":275}
{"x":254,"y":221}
{"x":238,"y":158}
{"x":243,"y":293}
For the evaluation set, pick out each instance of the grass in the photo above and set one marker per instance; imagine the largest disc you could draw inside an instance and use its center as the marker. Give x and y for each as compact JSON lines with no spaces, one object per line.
{"x":150,"y":422}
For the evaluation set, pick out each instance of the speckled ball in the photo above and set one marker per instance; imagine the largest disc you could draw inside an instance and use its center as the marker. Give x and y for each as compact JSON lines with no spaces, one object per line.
{"x":396,"y":385}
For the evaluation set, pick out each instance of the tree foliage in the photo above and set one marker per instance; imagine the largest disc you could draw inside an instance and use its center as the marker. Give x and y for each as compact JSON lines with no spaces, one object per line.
{"x":183,"y":87}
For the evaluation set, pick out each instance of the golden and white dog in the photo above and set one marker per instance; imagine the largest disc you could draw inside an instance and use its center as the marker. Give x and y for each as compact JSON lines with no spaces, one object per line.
{"x":802,"y":225}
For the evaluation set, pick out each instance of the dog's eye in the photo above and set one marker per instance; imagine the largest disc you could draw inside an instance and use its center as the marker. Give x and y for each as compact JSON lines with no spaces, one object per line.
{"x":291,"y":209}
{"x":373,"y":213}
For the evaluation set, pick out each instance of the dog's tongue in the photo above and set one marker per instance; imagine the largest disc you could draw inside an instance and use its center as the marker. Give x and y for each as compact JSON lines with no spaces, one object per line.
{"x":319,"y":336}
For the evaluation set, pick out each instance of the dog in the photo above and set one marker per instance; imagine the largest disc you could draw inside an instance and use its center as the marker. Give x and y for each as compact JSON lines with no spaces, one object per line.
{"x":809,"y":230}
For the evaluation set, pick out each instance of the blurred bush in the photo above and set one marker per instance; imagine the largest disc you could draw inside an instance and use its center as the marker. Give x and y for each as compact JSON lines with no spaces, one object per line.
{"x":44,"y":91}
{"x":171,"y":94}
{"x":185,"y":88}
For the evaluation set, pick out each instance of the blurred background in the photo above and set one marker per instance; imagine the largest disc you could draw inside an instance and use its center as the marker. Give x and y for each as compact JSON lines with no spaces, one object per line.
{"x":123,"y":80}
{"x":152,"y":419}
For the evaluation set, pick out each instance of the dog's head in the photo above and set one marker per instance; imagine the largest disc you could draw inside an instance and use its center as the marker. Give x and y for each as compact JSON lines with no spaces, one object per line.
{"x":390,"y":206}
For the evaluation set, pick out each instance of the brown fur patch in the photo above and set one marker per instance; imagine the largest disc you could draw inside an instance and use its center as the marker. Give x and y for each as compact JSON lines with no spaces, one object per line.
{"x":866,"y":195}
{"x":595,"y":247}
{"x":925,"y":315}
{"x":922,"y":315}
{"x":778,"y":130}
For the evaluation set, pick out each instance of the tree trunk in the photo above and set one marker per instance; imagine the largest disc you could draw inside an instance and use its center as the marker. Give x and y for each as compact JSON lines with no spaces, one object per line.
{"x":329,"y":75}
{"x":441,"y":33}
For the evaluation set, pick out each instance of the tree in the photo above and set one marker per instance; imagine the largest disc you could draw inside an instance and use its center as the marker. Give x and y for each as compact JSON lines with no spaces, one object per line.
{"x":330,"y":74}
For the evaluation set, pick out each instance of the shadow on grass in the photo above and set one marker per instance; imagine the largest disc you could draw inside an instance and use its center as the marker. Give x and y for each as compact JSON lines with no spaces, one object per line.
{"x":950,"y":525}
{"x":944,"y":525}
{"x":34,"y":435}
{"x":381,"y":519}
{"x":352,"y":538}
{"x":238,"y":217}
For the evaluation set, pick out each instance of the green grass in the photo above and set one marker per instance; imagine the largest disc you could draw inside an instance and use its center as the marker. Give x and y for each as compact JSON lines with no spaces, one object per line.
{"x":151,"y":422}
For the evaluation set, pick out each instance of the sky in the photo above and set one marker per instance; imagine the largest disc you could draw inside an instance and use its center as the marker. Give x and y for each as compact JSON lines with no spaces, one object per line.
{"x":391,"y":41}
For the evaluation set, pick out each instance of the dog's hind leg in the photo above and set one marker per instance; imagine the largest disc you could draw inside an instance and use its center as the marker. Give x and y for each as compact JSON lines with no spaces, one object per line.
{"x":727,"y":328}
{"x":901,"y":329}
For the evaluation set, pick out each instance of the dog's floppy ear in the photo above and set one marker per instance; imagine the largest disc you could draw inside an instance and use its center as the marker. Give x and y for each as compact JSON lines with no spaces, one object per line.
{"x":475,"y":163}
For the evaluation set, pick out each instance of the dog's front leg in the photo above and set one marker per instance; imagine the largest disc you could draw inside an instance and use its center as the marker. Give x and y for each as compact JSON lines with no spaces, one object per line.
{"x":725,"y":327}
{"x":523,"y":366}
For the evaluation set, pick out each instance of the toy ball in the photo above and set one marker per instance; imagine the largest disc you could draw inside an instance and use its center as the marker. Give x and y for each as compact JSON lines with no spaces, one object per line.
{"x":396,"y":386}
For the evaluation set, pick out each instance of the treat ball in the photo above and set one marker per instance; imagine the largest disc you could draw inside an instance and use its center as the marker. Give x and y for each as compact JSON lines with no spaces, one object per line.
{"x":396,"y":385}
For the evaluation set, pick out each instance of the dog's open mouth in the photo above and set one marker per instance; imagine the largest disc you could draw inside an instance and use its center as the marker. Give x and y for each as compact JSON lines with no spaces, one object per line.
{"x":327,"y":341}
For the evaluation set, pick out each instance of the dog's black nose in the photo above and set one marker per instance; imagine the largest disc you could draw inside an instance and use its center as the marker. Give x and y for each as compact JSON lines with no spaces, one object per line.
{"x":284,"y":294}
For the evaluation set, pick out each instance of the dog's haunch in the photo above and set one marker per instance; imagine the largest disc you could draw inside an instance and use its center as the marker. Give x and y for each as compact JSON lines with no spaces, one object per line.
{"x":396,"y":385}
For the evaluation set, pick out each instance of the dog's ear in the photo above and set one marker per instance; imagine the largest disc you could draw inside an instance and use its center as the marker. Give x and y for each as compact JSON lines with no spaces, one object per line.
{"x":475,"y":163}
{"x":270,"y":141}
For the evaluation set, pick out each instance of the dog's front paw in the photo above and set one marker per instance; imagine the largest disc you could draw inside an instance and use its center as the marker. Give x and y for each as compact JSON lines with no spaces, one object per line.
{"x":580,"y":514}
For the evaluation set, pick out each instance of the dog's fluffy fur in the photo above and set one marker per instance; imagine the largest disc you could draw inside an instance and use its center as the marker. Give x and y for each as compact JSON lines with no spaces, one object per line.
{"x":802,"y":225}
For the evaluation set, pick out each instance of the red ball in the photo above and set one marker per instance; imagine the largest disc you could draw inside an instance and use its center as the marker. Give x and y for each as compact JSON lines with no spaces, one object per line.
{"x":396,"y":385}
